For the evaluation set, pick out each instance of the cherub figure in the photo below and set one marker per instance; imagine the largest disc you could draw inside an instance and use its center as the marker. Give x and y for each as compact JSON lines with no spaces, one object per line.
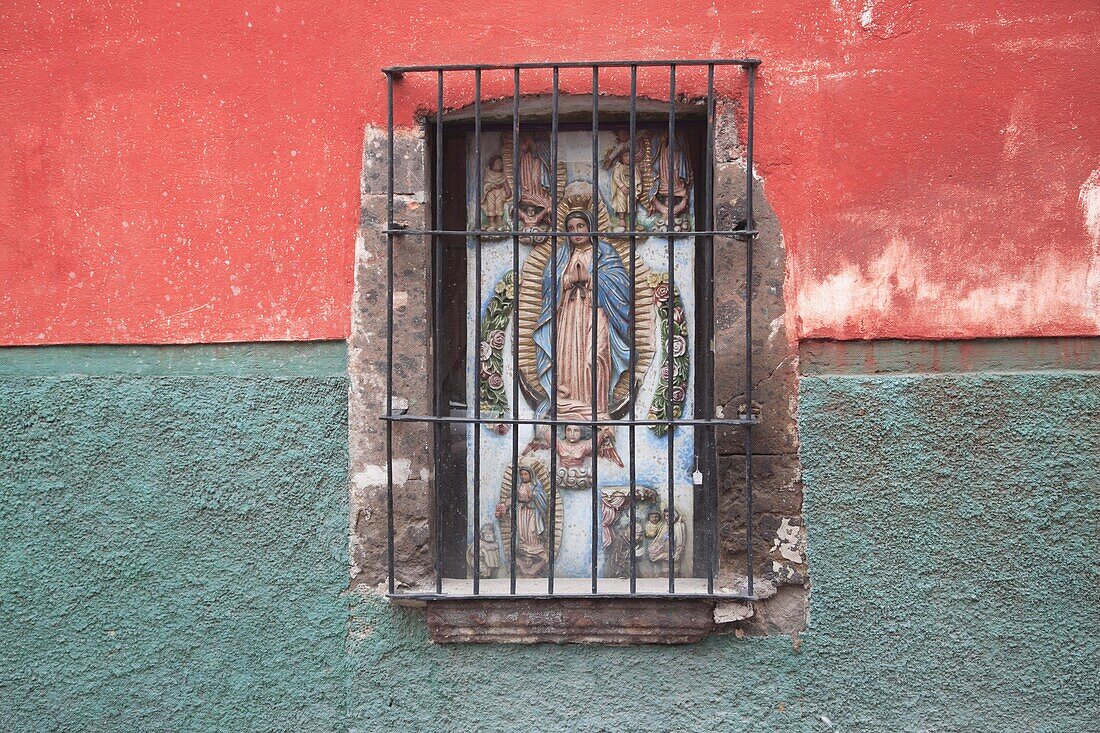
{"x":573,"y":452}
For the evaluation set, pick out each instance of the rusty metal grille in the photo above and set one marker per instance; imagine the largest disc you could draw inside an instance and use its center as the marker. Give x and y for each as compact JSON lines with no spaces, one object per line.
{"x":704,"y":422}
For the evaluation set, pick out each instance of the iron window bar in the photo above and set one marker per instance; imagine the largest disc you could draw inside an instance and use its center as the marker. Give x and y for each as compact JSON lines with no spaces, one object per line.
{"x":709,"y":421}
{"x":555,"y":233}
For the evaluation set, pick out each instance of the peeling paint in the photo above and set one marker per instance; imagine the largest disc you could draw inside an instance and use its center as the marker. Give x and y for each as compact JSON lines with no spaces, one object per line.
{"x":375,"y":475}
{"x":868,"y":15}
{"x":867,"y":299}
{"x":1089,"y":198}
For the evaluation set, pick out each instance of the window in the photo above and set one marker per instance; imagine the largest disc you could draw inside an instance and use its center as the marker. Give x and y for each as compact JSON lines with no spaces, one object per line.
{"x":570,"y":308}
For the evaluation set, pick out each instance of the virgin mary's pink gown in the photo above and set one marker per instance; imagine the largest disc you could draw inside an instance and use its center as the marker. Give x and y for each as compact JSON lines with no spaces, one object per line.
{"x":574,"y":357}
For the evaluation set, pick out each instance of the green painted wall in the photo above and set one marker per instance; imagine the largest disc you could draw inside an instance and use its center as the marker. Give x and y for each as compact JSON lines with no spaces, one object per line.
{"x":174,"y":558}
{"x":173,"y":538}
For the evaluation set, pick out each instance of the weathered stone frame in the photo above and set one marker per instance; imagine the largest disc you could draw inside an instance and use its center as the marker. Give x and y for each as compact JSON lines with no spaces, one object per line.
{"x":779,"y":538}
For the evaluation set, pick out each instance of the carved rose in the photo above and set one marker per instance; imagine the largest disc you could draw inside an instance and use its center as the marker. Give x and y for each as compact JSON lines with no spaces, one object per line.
{"x":660,"y":292}
{"x":679,"y":345}
{"x":496,"y":339}
{"x":678,"y":394}
{"x":678,"y":370}
{"x":486,"y":350}
{"x":496,"y":381}
{"x":678,"y":314}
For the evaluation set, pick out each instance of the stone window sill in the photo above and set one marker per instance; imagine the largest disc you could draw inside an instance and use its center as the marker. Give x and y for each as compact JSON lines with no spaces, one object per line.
{"x":614,"y":620}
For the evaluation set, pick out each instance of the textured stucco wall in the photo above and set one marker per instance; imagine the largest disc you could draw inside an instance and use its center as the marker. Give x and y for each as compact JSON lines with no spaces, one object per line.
{"x":173,"y":538}
{"x":175,"y":553}
{"x":954,"y":536}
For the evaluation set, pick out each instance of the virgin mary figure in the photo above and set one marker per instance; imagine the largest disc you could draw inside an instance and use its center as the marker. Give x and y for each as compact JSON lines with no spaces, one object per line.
{"x":578,"y":334}
{"x":531,"y":522}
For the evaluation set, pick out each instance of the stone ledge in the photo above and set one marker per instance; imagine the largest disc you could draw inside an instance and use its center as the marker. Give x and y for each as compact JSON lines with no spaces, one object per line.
{"x":571,"y":621}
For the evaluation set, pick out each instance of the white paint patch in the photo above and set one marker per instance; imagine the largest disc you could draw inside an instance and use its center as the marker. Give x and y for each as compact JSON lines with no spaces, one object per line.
{"x":867,"y":17}
{"x":1089,"y":199}
{"x":1020,"y":129}
{"x":727,"y":612}
{"x":865,"y":297}
{"x":375,"y":474}
{"x":774,"y":326}
{"x":790,"y":542}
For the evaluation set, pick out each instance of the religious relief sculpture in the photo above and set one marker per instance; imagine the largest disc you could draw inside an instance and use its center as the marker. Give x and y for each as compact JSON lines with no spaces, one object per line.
{"x":589,"y":312}
{"x":615,"y":526}
{"x":672,"y":388}
{"x":500,"y":188}
{"x":664,"y":181}
{"x":496,"y":194}
{"x":574,"y":446}
{"x":488,"y":551}
{"x":588,"y":323}
{"x":533,"y":518}
{"x":617,"y":161}
{"x":658,"y":546}
{"x":494,"y":322}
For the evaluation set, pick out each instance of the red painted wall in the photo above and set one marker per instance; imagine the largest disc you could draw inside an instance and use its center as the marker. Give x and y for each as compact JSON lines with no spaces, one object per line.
{"x":174,"y":172}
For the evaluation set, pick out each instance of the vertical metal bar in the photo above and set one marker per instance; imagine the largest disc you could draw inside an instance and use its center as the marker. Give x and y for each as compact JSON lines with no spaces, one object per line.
{"x":389,"y":336}
{"x":710,"y":493}
{"x":750,"y":224}
{"x":670,"y":180}
{"x":595,"y":322}
{"x":477,"y":333}
{"x":633,"y":330}
{"x":515,"y":322}
{"x":437,"y":335}
{"x":554,"y":226}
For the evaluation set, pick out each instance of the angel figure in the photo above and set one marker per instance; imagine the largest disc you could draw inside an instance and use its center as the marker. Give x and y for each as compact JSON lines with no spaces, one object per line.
{"x":574,"y":452}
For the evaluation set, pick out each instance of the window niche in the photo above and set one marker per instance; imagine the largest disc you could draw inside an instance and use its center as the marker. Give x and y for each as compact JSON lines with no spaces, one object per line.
{"x":558,"y":464}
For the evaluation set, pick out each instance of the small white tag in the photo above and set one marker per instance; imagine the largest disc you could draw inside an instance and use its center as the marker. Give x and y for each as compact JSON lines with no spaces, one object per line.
{"x":697,"y":477}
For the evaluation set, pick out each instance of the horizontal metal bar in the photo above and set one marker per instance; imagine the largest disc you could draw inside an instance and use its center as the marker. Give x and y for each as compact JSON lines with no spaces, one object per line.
{"x":398,"y":70}
{"x":612,"y":118}
{"x":568,"y":596}
{"x":508,"y":233}
{"x":564,"y":421}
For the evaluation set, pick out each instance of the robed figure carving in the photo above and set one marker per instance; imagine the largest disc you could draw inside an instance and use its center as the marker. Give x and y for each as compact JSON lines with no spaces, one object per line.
{"x":534,"y":527}
{"x":670,"y":179}
{"x":584,"y":389}
{"x":534,"y":183}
